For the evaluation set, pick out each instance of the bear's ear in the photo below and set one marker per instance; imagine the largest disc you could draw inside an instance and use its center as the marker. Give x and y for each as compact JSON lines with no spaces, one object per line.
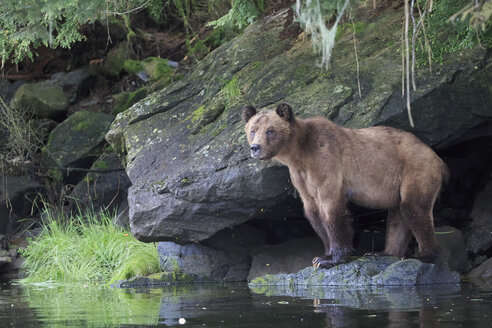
{"x":248,"y":112}
{"x":285,"y":111}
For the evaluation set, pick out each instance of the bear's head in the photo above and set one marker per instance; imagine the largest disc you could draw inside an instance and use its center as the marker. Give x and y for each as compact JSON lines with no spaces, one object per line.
{"x":269,"y":132}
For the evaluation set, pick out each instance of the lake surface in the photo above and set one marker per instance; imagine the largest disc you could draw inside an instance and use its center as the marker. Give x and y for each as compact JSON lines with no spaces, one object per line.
{"x":236,"y":305}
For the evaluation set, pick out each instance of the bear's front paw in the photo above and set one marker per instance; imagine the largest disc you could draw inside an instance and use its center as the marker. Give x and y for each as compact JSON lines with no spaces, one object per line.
{"x":337,"y":256}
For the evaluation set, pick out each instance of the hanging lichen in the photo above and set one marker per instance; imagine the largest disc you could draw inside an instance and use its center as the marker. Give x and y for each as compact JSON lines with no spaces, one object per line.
{"x":312,"y":14}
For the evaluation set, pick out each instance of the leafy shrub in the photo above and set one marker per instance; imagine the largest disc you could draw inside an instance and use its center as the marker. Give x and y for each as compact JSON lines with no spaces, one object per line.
{"x":242,"y":13}
{"x":53,"y":23}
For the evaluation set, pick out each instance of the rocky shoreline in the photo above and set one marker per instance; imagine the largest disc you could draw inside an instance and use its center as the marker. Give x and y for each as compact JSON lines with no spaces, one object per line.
{"x":174,"y":162}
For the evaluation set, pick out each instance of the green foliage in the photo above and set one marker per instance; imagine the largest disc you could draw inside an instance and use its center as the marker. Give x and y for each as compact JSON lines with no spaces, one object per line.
{"x":242,"y":13}
{"x":446,"y":37}
{"x":53,"y":23}
{"x":86,"y":248}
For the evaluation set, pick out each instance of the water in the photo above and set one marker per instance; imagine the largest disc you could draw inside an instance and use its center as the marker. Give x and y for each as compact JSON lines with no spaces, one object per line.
{"x":236,"y":305}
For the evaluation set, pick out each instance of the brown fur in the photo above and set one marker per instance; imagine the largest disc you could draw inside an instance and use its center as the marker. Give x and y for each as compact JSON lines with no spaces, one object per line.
{"x":376,"y":167}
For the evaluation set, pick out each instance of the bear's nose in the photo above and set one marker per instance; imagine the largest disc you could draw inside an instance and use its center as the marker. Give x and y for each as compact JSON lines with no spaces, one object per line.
{"x":255,"y":150}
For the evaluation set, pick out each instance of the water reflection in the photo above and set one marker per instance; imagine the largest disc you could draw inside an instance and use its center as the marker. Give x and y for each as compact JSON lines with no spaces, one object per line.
{"x":236,"y":305}
{"x":371,"y":298}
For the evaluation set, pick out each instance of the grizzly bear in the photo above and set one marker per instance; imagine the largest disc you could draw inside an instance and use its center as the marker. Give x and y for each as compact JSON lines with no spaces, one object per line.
{"x":376,"y":167}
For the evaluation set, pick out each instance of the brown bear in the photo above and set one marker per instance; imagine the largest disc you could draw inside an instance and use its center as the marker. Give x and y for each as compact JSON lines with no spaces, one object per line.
{"x":376,"y":167}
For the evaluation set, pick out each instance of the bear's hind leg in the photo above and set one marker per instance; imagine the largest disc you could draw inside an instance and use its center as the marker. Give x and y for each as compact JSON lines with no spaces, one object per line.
{"x":417,"y":212}
{"x":397,"y":235}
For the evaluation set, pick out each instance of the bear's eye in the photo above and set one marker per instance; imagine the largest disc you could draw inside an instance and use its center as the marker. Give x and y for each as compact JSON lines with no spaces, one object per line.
{"x":252,"y":132}
{"x":269,"y":132}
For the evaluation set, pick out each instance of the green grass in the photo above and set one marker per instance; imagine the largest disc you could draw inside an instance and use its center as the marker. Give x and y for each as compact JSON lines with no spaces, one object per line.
{"x":86,"y":249}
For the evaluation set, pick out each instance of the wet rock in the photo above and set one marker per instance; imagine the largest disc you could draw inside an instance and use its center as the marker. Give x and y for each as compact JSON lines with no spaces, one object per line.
{"x":189,"y":161}
{"x":8,"y":89}
{"x":482,"y":273}
{"x":156,"y":280}
{"x":453,"y":248}
{"x":16,"y":197}
{"x":77,"y":141}
{"x":45,"y":99}
{"x":288,"y":257}
{"x":75,"y":84}
{"x":203,"y":262}
{"x":4,"y":258}
{"x":479,"y":232}
{"x":380,"y":271}
{"x":105,"y":188}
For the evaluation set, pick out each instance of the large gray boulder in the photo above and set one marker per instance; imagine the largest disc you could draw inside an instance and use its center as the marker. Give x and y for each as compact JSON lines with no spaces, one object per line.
{"x":17,"y":194}
{"x":74,"y":84}
{"x":483,"y":273}
{"x":45,"y":99}
{"x":77,"y":141}
{"x":105,"y":187}
{"x":479,"y":232}
{"x":186,"y":151}
{"x":203,"y":262}
{"x":453,"y":248}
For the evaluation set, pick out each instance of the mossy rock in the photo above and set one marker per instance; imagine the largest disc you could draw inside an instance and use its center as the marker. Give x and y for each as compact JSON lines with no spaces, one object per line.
{"x":124,"y":100}
{"x":156,"y":68}
{"x":157,"y":279}
{"x":77,"y":140}
{"x":45,"y":99}
{"x":114,"y":62}
{"x":204,"y":115}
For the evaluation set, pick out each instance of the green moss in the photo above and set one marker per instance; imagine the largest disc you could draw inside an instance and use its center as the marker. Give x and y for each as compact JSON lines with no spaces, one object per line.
{"x":81,"y":126}
{"x":176,"y":277}
{"x":256,"y":64}
{"x":185,"y":181}
{"x":101,"y":164}
{"x":231,"y":90}
{"x":114,"y":62}
{"x":133,"y":66}
{"x":302,"y":71}
{"x":348,"y":27}
{"x":198,"y":114}
{"x":158,"y":68}
{"x":88,"y":178}
{"x":259,"y":281}
{"x":203,"y":116}
{"x":125,"y":100}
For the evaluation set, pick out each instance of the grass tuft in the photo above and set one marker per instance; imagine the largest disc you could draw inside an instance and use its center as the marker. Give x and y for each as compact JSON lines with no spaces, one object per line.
{"x":86,"y":249}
